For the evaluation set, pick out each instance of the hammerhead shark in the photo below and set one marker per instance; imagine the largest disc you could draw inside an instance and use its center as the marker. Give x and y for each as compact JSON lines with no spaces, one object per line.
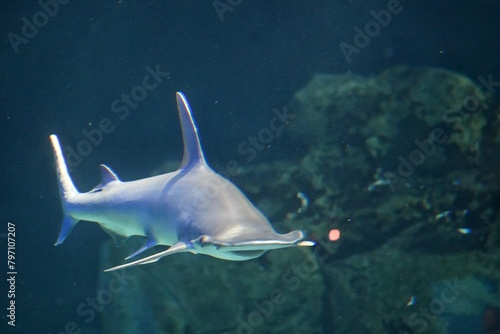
{"x":192,"y":209}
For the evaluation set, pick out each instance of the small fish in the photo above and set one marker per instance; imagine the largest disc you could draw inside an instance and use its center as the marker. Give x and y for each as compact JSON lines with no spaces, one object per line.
{"x":464,"y":230}
{"x":304,"y":202}
{"x":445,"y":214}
{"x":192,"y":209}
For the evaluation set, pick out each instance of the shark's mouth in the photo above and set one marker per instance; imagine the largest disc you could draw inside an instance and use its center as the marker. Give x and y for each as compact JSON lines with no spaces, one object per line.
{"x":249,"y":254}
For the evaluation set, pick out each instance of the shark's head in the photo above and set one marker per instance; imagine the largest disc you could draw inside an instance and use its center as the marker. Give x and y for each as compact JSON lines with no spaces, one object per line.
{"x":246,"y":245}
{"x":206,"y":245}
{"x":215,"y":218}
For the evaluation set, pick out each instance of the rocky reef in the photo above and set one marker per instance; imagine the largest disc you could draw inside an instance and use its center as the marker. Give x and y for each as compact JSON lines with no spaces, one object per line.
{"x":405,"y":164}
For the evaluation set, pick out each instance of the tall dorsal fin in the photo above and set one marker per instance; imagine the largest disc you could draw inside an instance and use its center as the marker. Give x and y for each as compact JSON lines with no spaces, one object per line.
{"x":107,"y":176}
{"x":192,"y":149}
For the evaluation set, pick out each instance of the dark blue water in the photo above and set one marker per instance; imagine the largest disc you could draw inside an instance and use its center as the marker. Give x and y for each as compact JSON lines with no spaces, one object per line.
{"x":66,"y":65}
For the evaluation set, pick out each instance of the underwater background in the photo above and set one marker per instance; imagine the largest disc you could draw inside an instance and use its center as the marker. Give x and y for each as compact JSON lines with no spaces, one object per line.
{"x":389,"y":162}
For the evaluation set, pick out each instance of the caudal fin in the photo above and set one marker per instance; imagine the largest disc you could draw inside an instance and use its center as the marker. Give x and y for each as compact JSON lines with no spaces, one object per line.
{"x":67,"y":190}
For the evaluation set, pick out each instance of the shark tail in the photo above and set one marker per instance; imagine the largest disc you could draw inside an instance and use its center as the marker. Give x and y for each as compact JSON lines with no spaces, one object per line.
{"x":67,"y":190}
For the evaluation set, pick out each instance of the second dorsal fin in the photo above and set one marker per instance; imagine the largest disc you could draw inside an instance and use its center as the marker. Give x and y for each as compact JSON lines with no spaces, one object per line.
{"x":107,"y":176}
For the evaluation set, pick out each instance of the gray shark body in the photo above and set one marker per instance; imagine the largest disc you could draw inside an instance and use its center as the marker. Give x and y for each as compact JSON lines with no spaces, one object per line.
{"x":192,"y":209}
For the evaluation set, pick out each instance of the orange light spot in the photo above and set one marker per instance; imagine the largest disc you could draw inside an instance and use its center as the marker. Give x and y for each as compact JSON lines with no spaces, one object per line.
{"x":334,"y":235}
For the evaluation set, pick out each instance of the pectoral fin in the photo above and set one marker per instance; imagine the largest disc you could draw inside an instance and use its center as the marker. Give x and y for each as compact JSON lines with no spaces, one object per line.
{"x":151,"y":242}
{"x":175,"y":248}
